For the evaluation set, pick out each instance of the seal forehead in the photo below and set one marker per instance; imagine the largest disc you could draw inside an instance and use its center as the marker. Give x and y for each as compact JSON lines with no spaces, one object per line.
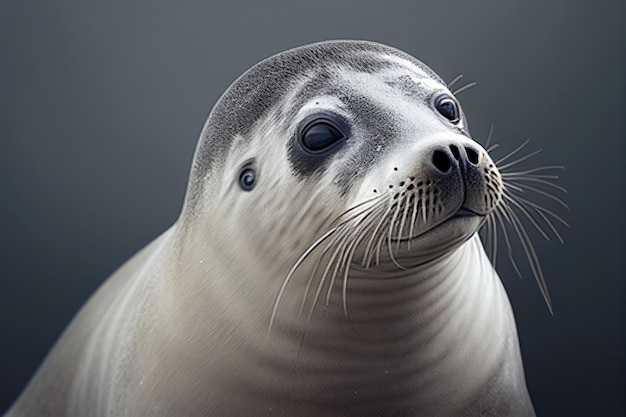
{"x":266,"y":84}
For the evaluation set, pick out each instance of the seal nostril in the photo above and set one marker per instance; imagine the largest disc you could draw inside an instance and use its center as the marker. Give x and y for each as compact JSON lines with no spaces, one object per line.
{"x":455,"y":152}
{"x":472,"y":155}
{"x":441,"y":161}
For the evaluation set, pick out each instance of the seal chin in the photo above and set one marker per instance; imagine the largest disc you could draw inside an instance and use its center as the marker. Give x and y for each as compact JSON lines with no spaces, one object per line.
{"x":438,"y":240}
{"x":464,"y":222}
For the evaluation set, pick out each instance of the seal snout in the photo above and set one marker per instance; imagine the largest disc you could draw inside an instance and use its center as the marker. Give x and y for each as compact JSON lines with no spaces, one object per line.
{"x":464,"y":158}
{"x":481,"y":180}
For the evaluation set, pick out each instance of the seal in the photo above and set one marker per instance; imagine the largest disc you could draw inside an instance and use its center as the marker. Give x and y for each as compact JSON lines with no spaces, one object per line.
{"x":326,"y":262}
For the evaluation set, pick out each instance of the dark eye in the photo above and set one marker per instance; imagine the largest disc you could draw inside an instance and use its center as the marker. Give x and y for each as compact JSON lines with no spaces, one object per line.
{"x":448,"y":108}
{"x":320,"y":135}
{"x":247,"y":178}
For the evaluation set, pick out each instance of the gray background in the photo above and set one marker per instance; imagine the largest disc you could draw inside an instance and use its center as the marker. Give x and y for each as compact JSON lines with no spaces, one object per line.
{"x":101,"y":104}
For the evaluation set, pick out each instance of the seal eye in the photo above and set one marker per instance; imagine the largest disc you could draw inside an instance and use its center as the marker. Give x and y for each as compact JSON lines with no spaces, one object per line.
{"x":247,"y":178}
{"x":448,"y":108}
{"x":320,"y":135}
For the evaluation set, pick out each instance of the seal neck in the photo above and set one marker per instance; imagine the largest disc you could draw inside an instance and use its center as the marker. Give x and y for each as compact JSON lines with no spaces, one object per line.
{"x":429,"y":336}
{"x":432,"y":339}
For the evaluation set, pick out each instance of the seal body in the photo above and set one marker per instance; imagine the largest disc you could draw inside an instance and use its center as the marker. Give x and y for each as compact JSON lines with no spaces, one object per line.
{"x":326,"y":262}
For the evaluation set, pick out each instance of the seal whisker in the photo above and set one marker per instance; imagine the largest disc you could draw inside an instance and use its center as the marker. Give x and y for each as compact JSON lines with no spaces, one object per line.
{"x":351,"y":239}
{"x":286,"y":281}
{"x":489,"y":238}
{"x":531,"y":255}
{"x":520,"y":159}
{"x":339,"y":226}
{"x":392,"y":257}
{"x":380,"y":223}
{"x":500,"y":214}
{"x":431,"y":203}
{"x":512,"y":186}
{"x":489,"y":137}
{"x":307,"y":288}
{"x":528,"y":216}
{"x":515,"y":183}
{"x":392,"y":221}
{"x":533,"y":170}
{"x":542,"y":211}
{"x":344,"y":289}
{"x":366,"y":229}
{"x":523,"y":175}
{"x":379,"y":248}
{"x":510,"y":154}
{"x":357,"y":206}
{"x":454,"y":80}
{"x":543,"y":193}
{"x":365,"y":214}
{"x":517,"y":225}
{"x":404,"y":203}
{"x":492,"y":147}
{"x":464,"y":88}
{"x":517,"y":180}
{"x":390,"y":234}
{"x":343,"y":244}
{"x":322,"y":280}
{"x":341,"y":251}
{"x":412,"y":223}
{"x":485,"y":237}
{"x":376,"y":254}
{"x":495,"y":239}
{"x":539,"y":210}
{"x":346,"y":268}
{"x":329,"y":246}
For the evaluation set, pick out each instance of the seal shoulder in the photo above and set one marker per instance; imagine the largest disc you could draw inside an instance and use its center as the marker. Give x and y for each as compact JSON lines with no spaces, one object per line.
{"x":49,"y":391}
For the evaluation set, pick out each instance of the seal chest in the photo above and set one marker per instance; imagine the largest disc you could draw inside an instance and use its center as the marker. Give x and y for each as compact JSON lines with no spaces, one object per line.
{"x":326,"y":262}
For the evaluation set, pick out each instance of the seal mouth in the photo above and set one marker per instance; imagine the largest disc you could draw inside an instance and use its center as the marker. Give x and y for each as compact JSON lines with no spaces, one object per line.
{"x":464,"y":212}
{"x":461,"y":214}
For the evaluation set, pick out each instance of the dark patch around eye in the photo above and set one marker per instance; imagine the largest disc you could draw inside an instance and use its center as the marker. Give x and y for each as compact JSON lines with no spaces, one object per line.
{"x":319,"y":137}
